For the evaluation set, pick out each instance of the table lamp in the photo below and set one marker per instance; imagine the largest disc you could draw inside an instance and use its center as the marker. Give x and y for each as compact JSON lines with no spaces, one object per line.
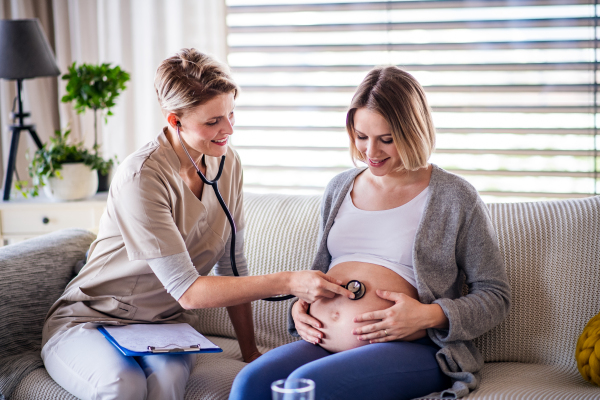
{"x":24,"y":54}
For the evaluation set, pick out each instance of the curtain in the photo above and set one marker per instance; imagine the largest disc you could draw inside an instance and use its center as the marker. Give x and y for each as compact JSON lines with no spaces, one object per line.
{"x":39,"y":94}
{"x":134,"y":34}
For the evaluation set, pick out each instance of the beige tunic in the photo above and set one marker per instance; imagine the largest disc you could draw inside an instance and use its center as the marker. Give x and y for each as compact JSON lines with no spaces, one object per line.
{"x":150,"y":213}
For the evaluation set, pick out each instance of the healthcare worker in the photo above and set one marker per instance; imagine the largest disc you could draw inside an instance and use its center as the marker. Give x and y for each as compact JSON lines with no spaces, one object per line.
{"x":163,"y":231}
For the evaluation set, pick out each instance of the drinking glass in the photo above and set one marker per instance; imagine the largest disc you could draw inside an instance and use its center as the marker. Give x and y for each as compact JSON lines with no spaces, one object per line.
{"x":293,"y":389}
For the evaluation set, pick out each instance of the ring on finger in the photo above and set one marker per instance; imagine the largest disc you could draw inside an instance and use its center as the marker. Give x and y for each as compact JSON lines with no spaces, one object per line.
{"x":385,"y":331}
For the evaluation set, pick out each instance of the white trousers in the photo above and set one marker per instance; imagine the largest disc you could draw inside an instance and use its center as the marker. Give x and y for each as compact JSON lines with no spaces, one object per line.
{"x":83,"y":362}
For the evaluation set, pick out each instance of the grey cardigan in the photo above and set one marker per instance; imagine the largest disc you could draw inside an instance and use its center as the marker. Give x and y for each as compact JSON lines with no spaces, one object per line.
{"x":455,"y":245}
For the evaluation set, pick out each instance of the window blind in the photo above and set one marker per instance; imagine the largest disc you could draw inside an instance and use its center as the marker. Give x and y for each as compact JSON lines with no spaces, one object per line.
{"x":513,"y":86}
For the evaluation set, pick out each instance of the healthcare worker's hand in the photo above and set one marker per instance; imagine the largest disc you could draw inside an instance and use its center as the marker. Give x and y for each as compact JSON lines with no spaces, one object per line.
{"x":311,"y":286}
{"x":306,"y":325}
{"x":407,"y":319}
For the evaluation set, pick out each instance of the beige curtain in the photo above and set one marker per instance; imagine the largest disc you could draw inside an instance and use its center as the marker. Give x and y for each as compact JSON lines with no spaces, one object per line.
{"x":135,"y":34}
{"x":39,"y":94}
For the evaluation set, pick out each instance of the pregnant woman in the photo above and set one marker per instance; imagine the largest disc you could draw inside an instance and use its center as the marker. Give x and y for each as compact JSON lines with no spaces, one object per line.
{"x":414,"y":235}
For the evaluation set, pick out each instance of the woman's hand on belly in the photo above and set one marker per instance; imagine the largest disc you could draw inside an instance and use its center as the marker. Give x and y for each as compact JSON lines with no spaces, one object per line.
{"x":406,"y":320}
{"x":306,"y":325}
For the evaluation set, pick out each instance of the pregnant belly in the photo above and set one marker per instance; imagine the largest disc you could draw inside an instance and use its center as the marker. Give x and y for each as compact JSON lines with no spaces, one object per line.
{"x":337,"y":314}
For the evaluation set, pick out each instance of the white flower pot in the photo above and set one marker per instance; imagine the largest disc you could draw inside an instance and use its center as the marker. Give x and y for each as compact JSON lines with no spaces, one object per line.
{"x":78,"y":182}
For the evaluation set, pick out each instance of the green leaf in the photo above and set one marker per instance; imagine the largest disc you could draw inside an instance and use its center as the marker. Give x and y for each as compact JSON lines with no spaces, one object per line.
{"x":93,"y":86}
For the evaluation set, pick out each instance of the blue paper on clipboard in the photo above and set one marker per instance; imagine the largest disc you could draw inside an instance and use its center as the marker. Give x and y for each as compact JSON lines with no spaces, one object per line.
{"x":152,"y":339}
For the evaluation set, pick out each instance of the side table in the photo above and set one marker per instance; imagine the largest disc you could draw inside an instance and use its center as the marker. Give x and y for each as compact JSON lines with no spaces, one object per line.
{"x":26,"y":218}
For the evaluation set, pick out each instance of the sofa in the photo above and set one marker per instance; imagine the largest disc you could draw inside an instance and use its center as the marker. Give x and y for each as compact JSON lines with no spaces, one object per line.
{"x":551,"y":251}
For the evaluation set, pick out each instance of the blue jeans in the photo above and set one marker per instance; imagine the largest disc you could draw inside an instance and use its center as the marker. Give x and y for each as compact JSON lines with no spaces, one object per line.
{"x":392,"y":370}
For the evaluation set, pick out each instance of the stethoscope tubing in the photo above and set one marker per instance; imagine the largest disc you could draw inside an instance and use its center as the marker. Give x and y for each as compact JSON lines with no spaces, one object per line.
{"x":215,"y":186}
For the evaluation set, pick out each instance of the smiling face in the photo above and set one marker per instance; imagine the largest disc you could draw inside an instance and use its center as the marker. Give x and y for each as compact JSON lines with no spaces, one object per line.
{"x":373,"y":139}
{"x":206,"y":128}
{"x":390,"y":100}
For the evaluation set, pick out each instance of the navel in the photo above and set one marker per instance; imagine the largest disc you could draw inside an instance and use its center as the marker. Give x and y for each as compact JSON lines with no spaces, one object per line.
{"x":335,"y":316}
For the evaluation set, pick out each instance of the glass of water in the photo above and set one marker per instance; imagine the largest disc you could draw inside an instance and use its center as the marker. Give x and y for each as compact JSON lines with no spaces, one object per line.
{"x":293,"y":389}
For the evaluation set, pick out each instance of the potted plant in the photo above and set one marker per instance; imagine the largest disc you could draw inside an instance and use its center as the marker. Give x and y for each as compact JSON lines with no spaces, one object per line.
{"x":95,"y":87}
{"x":65,"y":171}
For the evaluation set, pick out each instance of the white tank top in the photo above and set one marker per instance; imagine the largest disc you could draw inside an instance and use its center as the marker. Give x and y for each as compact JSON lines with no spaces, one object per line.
{"x":384,"y":237}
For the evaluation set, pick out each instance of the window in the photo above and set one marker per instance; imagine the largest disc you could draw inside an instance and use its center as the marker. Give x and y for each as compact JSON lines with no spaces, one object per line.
{"x":513,"y":86}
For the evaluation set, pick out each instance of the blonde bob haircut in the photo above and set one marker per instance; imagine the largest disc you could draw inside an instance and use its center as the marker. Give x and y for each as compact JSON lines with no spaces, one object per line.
{"x":400,"y":100}
{"x":191,"y":78}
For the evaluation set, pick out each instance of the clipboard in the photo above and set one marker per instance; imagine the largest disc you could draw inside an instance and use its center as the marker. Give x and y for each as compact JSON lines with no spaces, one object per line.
{"x":155,"y":339}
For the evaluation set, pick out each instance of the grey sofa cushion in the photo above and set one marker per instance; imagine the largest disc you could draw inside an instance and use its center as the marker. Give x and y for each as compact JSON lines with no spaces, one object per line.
{"x":34,"y":274}
{"x":552,"y":256}
{"x":524,"y":381}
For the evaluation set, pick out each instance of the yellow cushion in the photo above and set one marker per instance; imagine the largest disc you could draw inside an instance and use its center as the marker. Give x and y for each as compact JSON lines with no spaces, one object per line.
{"x":587,"y":352}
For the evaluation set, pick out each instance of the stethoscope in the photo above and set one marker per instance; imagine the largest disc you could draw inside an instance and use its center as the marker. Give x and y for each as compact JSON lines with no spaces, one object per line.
{"x":353,"y":286}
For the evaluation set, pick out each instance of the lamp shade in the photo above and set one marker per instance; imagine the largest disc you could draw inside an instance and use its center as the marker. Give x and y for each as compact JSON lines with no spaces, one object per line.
{"x":24,"y":50}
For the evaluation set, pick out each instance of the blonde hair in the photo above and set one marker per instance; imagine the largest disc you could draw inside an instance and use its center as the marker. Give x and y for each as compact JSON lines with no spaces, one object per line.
{"x":400,"y":100}
{"x":189,"y":79}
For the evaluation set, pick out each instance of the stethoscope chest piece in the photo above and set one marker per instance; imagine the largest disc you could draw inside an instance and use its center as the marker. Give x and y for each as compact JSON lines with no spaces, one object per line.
{"x":358,"y":288}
